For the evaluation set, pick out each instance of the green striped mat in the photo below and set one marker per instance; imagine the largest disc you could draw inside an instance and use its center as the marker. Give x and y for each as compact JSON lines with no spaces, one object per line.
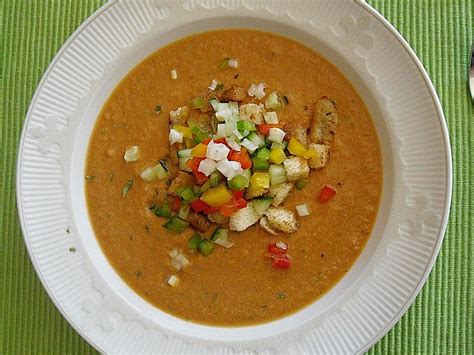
{"x":440,"y":32}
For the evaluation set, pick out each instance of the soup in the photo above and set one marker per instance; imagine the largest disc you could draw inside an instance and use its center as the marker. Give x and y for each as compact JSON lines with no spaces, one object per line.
{"x":269,"y":141}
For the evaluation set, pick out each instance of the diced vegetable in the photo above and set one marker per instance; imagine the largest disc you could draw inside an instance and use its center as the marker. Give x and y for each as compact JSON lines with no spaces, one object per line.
{"x":295,"y":147}
{"x":255,"y":139}
{"x":163,"y":210}
{"x":277,"y":156}
{"x":270,"y":117}
{"x":302,"y":210}
{"x":207,"y":166}
{"x":178,"y":260}
{"x":265,"y":128}
{"x":310,"y":153}
{"x":232,"y":63}
{"x":274,"y":101}
{"x":245,"y":127}
{"x":199,"y":205}
{"x":224,"y":115}
{"x":184,"y":153}
{"x":174,"y":74}
{"x":217,"y":196}
{"x":262,"y":204}
{"x":193,"y":242}
{"x":175,"y":204}
{"x":252,"y":147}
{"x":183,"y":164}
{"x":281,"y":145}
{"x":220,"y":233}
{"x":281,"y":261}
{"x":260,"y":180}
{"x":229,"y":168}
{"x":233,"y":144}
{"x":259,"y":164}
{"x":205,"y":247}
{"x":263,"y":153}
{"x":217,"y":151}
{"x":276,"y":135}
{"x":277,"y":174}
{"x":183,"y":212}
{"x":257,"y":90}
{"x":187,"y":194}
{"x":278,"y":248}
{"x":186,"y":131}
{"x":214,"y":103}
{"x":226,"y":243}
{"x":212,"y":182}
{"x":213,"y":85}
{"x":155,"y":172}
{"x":175,"y":136}
{"x":131,"y":154}
{"x":198,"y":151}
{"x":326,"y":194}
{"x":173,"y":281}
{"x":176,"y":224}
{"x":242,"y":157}
{"x":239,"y":182}
{"x":197,"y":102}
{"x":301,"y":183}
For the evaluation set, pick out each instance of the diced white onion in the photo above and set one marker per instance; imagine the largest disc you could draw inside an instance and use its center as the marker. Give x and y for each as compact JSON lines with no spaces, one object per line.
{"x":237,"y":134}
{"x":224,"y":114}
{"x":252,"y":147}
{"x":276,"y":135}
{"x":155,"y":172}
{"x":234,"y":107}
{"x":174,"y":74}
{"x":257,"y":90}
{"x":302,"y":210}
{"x":224,"y":242}
{"x":233,"y":144}
{"x":173,"y":280}
{"x":175,"y":136}
{"x":148,"y":175}
{"x":207,"y":166}
{"x":221,"y":130}
{"x":178,"y":260}
{"x":233,"y":63}
{"x":230,"y":126}
{"x":131,"y":154}
{"x":173,"y":252}
{"x":281,"y":245}
{"x":213,"y":85}
{"x":229,"y":169}
{"x":270,"y":117}
{"x":217,"y":151}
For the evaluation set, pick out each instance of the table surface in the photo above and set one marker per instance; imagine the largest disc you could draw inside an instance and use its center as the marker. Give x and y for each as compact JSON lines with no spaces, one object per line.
{"x":440,"y":32}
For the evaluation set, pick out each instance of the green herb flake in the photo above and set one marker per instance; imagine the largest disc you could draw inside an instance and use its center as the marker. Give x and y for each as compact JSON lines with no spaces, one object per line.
{"x":111,"y":176}
{"x":158,"y":109}
{"x":127,"y":188}
{"x":72,"y":250}
{"x":224,"y":64}
{"x":281,"y":295}
{"x":90,"y":178}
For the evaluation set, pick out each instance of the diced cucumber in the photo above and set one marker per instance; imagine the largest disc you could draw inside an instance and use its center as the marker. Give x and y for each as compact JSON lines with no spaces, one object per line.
{"x":282,"y":145}
{"x":262,"y":204}
{"x":247,"y":173}
{"x":182,"y":164}
{"x":183,"y":212}
{"x":220,"y":233}
{"x":263,"y":153}
{"x":277,"y":174}
{"x":260,"y":165}
{"x":194,"y":241}
{"x":184,"y":153}
{"x":254,"y":138}
{"x":205,"y":247}
{"x":176,"y":224}
{"x":238,"y":183}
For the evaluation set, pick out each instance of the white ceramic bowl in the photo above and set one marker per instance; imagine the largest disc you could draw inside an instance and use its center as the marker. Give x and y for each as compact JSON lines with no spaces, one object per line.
{"x":409,"y":227}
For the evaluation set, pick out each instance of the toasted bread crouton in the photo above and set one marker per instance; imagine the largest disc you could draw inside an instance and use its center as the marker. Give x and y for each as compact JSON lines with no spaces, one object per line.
{"x":321,"y":159}
{"x":204,"y":123}
{"x":266,"y":226}
{"x":252,"y":112}
{"x":279,"y":193}
{"x":243,"y":218}
{"x":199,"y":222}
{"x":218,"y":218}
{"x":282,"y":219}
{"x":298,"y":130}
{"x":296,"y":168}
{"x":235,"y":93}
{"x":180,"y":115}
{"x":182,"y":179}
{"x":323,"y":127}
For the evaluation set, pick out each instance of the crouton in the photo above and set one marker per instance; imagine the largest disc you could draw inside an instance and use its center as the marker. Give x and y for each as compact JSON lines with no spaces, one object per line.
{"x":235,"y":93}
{"x":243,"y":218}
{"x":321,"y":159}
{"x":218,"y":218}
{"x":299,"y":130}
{"x":182,"y":179}
{"x":296,"y":168}
{"x":282,"y":219}
{"x":323,"y":126}
{"x":251,"y":112}
{"x":204,"y":123}
{"x":266,"y":226}
{"x":199,"y":222}
{"x":180,"y":115}
{"x":279,"y":193}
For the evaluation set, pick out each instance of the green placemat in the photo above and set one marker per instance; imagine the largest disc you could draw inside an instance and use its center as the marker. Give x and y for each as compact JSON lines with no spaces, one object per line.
{"x":440,"y":32}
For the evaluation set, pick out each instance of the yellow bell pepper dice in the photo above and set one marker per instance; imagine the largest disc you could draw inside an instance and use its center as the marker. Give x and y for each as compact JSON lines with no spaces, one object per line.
{"x":260,"y":181}
{"x":295,"y":147}
{"x":217,"y":197}
{"x":199,"y":151}
{"x":310,"y":153}
{"x":277,"y":156}
{"x":186,"y":131}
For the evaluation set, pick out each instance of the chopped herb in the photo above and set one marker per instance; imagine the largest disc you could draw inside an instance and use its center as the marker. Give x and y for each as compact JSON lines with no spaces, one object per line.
{"x":147,"y":229}
{"x":127,"y":188}
{"x":111,"y":175}
{"x":224,"y":64}
{"x":281,"y":295}
{"x":219,"y":86}
{"x":285,"y":99}
{"x":72,"y":250}
{"x":90,"y":177}
{"x":158,"y":109}
{"x":138,"y":273}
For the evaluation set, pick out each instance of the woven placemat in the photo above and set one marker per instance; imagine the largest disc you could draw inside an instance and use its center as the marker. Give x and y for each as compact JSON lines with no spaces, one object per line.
{"x":440,"y":32}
